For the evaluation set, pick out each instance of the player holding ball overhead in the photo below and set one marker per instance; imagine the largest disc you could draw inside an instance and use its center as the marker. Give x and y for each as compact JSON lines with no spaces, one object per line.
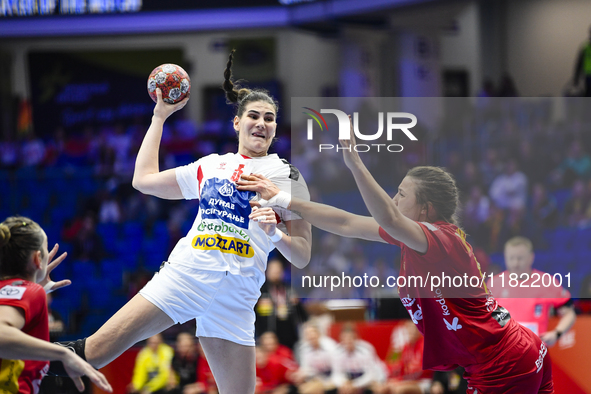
{"x":215,"y":272}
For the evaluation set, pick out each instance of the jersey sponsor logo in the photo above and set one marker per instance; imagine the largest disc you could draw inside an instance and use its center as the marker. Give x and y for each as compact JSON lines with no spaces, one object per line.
{"x":407,"y":301}
{"x":227,"y":190}
{"x":237,"y":173}
{"x":454,"y":324}
{"x":12,"y":292}
{"x":416,"y":315}
{"x":220,"y":200}
{"x":223,"y":244}
{"x":540,"y":360}
{"x":441,"y":301}
{"x":223,"y":229}
{"x":491,"y":303}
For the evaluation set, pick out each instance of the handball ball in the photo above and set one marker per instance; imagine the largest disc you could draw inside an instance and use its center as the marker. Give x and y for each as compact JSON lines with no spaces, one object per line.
{"x":172,"y":80}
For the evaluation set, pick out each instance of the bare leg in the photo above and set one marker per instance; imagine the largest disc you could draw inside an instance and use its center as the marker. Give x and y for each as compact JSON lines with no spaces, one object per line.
{"x":137,"y":320}
{"x":233,"y":365}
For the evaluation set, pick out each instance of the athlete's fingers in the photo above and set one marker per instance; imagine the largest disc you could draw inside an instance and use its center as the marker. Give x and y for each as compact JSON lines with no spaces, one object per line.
{"x":79,"y":383}
{"x":56,"y":262}
{"x":61,"y":283}
{"x":246,"y":177}
{"x":52,"y":252}
{"x":100,"y":380}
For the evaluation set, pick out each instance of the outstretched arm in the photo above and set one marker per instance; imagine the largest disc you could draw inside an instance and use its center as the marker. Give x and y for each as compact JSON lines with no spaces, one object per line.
{"x":323,"y":216}
{"x":381,"y":206}
{"x":147,"y":177}
{"x":16,"y":345}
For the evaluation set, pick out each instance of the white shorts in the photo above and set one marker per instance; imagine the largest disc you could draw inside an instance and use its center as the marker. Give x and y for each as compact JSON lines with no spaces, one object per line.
{"x":220,"y":302}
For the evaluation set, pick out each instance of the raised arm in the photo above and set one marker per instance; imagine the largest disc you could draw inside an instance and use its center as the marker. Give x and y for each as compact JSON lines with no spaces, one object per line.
{"x":147,"y":177}
{"x":381,"y":206}
{"x":323,"y":216}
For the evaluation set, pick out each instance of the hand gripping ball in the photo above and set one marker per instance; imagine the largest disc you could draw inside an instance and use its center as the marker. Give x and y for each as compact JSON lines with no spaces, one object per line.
{"x":172,"y":80}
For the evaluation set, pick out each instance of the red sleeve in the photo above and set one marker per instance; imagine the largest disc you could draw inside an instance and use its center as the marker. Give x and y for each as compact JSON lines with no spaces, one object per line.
{"x":32,"y":302}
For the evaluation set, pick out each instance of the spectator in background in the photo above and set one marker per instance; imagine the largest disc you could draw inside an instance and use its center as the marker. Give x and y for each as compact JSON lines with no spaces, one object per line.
{"x":509,"y":193}
{"x":405,"y":364}
{"x":544,"y":209}
{"x":110,"y":208}
{"x":120,"y":142}
{"x":532,"y":308}
{"x":490,"y":166}
{"x":574,"y":210}
{"x":8,"y":152}
{"x":185,"y":367}
{"x":507,"y":87}
{"x":152,"y":367}
{"x":55,"y":148}
{"x":576,"y":165}
{"x":278,"y":310}
{"x":468,"y":177}
{"x":32,"y":151}
{"x":280,"y":353}
{"x":273,"y":377}
{"x":476,"y":214}
{"x":583,"y":67}
{"x":87,"y":244}
{"x":355,"y":369}
{"x":449,"y":382}
{"x":315,"y":358}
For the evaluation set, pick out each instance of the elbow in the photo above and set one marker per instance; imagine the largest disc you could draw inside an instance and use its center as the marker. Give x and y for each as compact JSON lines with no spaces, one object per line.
{"x":302,"y":261}
{"x":138,"y":185}
{"x":301,"y":264}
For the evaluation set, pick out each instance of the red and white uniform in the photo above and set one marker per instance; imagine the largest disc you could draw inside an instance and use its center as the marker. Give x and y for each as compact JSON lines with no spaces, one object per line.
{"x":499,"y":355}
{"x":24,"y":376}
{"x":532,"y":312}
{"x":214,"y":274}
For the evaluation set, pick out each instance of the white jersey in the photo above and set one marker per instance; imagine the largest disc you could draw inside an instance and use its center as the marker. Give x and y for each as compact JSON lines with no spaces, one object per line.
{"x":222,"y":237}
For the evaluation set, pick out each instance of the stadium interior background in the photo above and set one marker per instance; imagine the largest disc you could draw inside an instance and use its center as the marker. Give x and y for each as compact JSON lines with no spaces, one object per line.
{"x":74,"y":109}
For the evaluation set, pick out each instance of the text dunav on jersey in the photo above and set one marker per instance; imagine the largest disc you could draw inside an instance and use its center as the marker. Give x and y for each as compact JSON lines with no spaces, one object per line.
{"x":221,"y":200}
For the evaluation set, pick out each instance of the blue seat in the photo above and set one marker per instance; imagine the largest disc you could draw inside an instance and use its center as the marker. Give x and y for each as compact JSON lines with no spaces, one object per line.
{"x":561,"y":238}
{"x":582,"y":240}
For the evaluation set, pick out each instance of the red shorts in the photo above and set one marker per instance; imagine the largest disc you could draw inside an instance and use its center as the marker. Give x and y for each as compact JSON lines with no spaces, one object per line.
{"x":524,"y":368}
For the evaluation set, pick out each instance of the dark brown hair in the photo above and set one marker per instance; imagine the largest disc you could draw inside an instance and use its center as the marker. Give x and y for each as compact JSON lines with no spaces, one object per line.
{"x":19,"y":236}
{"x":242,"y":96}
{"x":436,"y":186}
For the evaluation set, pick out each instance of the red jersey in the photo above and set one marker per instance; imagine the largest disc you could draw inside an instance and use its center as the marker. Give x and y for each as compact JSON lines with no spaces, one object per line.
{"x":271,"y":375}
{"x":466,"y":331}
{"x":284,"y":355}
{"x":532,"y":312}
{"x":24,"y":376}
{"x":409,"y":365}
{"x":205,"y":376}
